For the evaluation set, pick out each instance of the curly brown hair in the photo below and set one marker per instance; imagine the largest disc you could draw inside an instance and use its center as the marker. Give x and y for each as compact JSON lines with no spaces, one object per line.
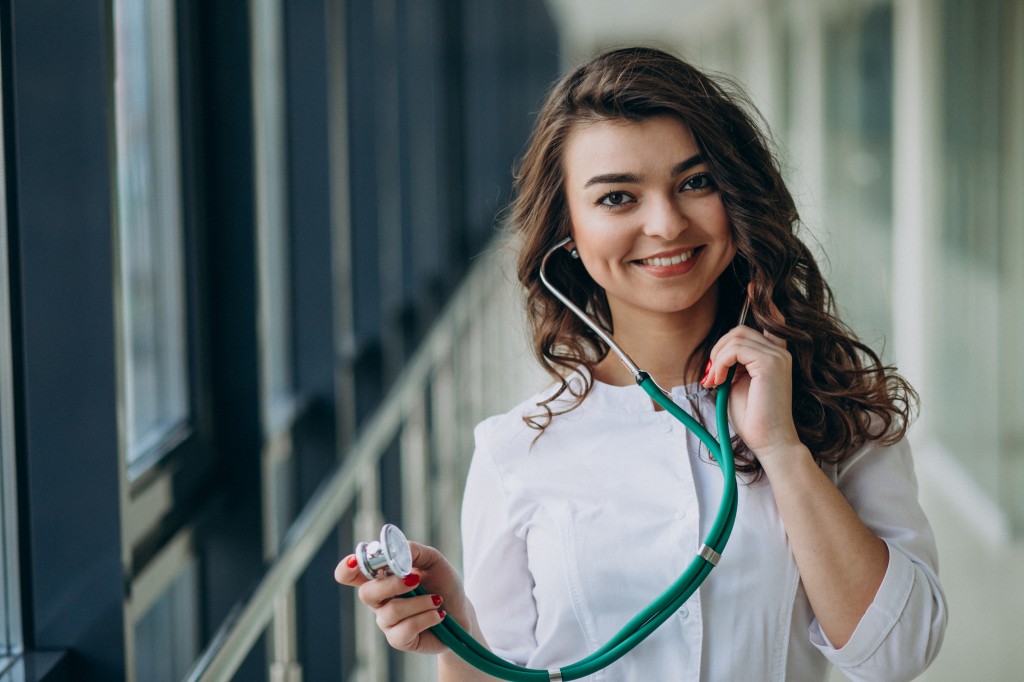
{"x":842,"y":393}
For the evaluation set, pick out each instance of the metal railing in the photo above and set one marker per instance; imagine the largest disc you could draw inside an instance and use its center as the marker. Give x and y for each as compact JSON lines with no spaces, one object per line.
{"x":474,"y":362}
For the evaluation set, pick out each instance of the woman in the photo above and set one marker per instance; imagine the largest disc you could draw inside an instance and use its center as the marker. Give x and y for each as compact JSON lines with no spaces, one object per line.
{"x":585,"y":502}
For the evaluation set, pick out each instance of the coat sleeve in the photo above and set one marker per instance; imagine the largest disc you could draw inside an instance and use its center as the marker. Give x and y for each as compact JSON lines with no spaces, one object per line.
{"x":901,"y":632}
{"x":497,"y":578}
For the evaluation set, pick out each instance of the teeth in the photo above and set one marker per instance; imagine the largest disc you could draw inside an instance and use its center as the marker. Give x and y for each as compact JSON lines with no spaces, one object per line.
{"x":674,"y":260}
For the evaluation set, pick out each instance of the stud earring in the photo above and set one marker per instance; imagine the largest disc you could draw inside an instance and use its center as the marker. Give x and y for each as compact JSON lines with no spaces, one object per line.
{"x":574,"y":254}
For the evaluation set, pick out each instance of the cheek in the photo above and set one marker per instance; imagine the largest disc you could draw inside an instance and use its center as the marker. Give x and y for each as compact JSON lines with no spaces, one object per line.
{"x":727,"y":256}
{"x":727,"y":249}
{"x":731,"y":248}
{"x":597,"y":237}
{"x":723,"y":228}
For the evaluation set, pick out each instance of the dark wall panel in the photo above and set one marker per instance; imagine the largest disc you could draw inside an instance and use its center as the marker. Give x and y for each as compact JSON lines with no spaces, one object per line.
{"x":57,"y":90}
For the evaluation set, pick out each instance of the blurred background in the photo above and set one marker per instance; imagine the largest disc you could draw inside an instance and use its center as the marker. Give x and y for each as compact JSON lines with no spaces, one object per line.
{"x":254,"y":294}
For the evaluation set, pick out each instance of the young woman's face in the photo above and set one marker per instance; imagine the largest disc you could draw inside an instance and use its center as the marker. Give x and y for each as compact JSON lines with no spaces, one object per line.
{"x":646,"y":216}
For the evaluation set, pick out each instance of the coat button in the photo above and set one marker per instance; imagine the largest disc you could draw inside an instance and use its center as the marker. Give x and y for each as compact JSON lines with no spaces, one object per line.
{"x":684,"y":612}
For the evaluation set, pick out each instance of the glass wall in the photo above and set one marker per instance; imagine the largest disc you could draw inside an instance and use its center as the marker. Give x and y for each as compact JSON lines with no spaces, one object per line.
{"x":10,"y":600}
{"x":965,"y":283}
{"x":271,"y":213}
{"x":153,"y":361}
{"x":973,"y":401}
{"x":154,"y":378}
{"x":858,"y":167}
{"x":978,"y":400}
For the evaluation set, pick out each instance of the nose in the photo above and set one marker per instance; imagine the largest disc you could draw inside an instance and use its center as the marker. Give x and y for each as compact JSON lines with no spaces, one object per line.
{"x":665,"y":219}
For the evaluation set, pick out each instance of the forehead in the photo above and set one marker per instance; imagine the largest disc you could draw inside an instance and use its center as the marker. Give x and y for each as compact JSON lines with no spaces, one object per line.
{"x":652,"y":146}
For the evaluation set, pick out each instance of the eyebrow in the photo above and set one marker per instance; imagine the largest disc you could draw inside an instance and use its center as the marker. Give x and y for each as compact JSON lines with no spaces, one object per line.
{"x":633,"y":178}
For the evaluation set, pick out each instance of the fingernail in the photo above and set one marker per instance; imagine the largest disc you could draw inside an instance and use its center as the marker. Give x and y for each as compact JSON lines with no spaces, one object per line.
{"x":436,"y":598}
{"x":441,"y":614}
{"x":707,"y":370}
{"x":411,"y":580}
{"x":351,"y":562}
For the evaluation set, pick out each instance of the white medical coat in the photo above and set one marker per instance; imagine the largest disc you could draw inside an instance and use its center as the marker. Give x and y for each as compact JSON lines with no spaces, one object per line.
{"x":567,"y":538}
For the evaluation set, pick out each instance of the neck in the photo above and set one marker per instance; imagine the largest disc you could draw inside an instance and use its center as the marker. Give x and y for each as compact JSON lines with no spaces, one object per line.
{"x":660,"y":344}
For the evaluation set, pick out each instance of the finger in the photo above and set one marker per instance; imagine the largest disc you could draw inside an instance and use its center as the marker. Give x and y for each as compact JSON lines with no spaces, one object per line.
{"x":375,"y":593}
{"x":739,"y":334}
{"x":747,"y":352}
{"x":726,"y":339}
{"x":424,"y":557}
{"x":348,"y":573}
{"x":398,"y":610}
{"x":405,"y":634}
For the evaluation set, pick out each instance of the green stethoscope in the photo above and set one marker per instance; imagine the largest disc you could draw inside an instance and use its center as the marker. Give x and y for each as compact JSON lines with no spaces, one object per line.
{"x":391,"y":553}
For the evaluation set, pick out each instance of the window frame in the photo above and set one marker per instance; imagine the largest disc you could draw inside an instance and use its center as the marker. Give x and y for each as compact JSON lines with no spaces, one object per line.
{"x":11,"y":641}
{"x":161,"y":148}
{"x":167,"y":491}
{"x":171,"y":473}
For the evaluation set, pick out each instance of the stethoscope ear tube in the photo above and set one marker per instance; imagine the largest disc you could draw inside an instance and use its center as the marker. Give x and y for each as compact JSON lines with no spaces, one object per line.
{"x":657,"y":612}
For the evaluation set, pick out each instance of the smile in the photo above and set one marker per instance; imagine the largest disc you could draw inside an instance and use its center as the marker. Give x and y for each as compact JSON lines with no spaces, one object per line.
{"x":666,"y":261}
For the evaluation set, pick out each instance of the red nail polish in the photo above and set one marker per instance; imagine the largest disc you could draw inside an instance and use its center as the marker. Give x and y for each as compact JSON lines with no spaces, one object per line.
{"x":436,"y":598}
{"x":411,"y":580}
{"x":441,"y":614}
{"x":351,"y":562}
{"x":707,"y":370}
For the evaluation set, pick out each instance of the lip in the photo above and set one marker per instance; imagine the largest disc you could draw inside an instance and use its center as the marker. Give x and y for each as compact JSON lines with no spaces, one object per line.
{"x":671,"y":270}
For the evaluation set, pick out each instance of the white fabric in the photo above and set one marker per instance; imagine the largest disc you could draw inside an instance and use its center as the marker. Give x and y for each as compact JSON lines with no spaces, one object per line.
{"x":567,"y":538}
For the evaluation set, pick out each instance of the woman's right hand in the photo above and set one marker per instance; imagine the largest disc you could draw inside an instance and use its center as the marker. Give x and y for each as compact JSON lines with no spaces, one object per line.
{"x":406,"y":622}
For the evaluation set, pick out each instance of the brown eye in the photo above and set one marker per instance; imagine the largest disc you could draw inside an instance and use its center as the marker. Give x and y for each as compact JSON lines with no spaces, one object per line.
{"x":698,"y":182}
{"x":614,"y":199}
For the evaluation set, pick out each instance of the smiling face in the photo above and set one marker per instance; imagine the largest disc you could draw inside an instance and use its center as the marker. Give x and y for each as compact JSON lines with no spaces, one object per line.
{"x":647,"y":218}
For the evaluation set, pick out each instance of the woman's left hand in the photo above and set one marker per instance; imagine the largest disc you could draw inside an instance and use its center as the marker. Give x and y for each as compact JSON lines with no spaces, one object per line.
{"x":761,"y":399}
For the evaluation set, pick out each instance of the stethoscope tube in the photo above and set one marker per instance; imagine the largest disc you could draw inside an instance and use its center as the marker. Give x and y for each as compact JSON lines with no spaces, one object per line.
{"x":455,"y":637}
{"x":658,"y":611}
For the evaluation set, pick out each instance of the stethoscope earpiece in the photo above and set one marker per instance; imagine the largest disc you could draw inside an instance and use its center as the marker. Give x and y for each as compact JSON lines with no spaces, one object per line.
{"x":390,"y":554}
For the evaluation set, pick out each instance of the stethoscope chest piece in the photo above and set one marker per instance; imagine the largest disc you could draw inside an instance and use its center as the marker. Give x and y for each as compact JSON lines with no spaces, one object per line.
{"x":390,"y":554}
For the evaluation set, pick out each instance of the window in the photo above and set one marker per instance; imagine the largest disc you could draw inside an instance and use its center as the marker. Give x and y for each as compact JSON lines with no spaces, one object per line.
{"x":977,"y":375}
{"x":151,"y":289}
{"x":858,"y":168}
{"x":10,"y":606}
{"x":272,"y":215}
{"x":153,"y":342}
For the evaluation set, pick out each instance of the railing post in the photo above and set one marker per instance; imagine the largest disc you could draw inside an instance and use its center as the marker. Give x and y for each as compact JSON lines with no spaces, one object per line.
{"x":443,"y":426}
{"x":285,"y":667}
{"x":277,"y":467}
{"x":474,"y":374}
{"x":414,"y":453}
{"x":413,"y":447}
{"x":371,"y":647}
